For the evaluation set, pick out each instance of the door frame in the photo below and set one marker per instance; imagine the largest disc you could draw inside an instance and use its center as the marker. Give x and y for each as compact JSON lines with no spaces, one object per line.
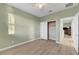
{"x":48,"y":27}
{"x":77,"y":34}
{"x":61,"y":27}
{"x":76,"y":15}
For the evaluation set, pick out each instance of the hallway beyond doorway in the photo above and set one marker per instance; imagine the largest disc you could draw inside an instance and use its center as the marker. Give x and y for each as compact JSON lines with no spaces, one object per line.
{"x":68,"y":41}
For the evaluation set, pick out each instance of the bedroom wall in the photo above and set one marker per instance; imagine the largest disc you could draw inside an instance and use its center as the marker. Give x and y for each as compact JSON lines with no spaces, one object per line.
{"x":3,"y":27}
{"x":59,"y":15}
{"x":26,"y":26}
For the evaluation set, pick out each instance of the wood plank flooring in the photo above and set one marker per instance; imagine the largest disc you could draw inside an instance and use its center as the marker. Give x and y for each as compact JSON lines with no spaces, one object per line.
{"x":68,"y":41}
{"x":40,"y":47}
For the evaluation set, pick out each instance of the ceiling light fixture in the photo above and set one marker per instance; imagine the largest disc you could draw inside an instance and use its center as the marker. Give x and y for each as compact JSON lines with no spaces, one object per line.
{"x":39,"y":5}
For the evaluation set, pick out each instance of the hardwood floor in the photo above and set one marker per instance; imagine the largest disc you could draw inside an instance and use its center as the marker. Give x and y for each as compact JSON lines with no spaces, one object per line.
{"x":40,"y":47}
{"x":68,"y":41}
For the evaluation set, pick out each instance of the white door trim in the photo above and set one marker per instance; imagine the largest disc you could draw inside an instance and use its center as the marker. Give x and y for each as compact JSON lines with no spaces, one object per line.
{"x":77,"y":34}
{"x":61,"y":27}
{"x":51,"y":21}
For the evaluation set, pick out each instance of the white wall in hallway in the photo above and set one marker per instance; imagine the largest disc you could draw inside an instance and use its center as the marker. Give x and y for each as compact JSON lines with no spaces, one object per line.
{"x":43,"y":30}
{"x":61,"y":30}
{"x":75,"y":31}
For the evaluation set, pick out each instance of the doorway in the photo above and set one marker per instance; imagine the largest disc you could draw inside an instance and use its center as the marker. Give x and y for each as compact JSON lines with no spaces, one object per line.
{"x":52,"y":30}
{"x":67,"y":32}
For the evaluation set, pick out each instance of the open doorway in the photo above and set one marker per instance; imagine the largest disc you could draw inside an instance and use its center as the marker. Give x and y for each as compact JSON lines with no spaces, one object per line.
{"x":67,"y":32}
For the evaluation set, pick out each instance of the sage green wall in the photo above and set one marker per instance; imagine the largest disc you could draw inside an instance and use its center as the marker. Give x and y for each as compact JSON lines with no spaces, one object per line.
{"x":27,"y":26}
{"x":4,"y":41}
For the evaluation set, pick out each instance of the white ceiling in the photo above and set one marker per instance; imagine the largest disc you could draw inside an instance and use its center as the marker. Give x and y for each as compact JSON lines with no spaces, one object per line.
{"x":28,"y":7}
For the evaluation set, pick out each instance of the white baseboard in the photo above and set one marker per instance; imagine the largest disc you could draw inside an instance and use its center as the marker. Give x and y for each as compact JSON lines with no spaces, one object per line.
{"x":2,"y":49}
{"x":76,"y":49}
{"x":58,"y":42}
